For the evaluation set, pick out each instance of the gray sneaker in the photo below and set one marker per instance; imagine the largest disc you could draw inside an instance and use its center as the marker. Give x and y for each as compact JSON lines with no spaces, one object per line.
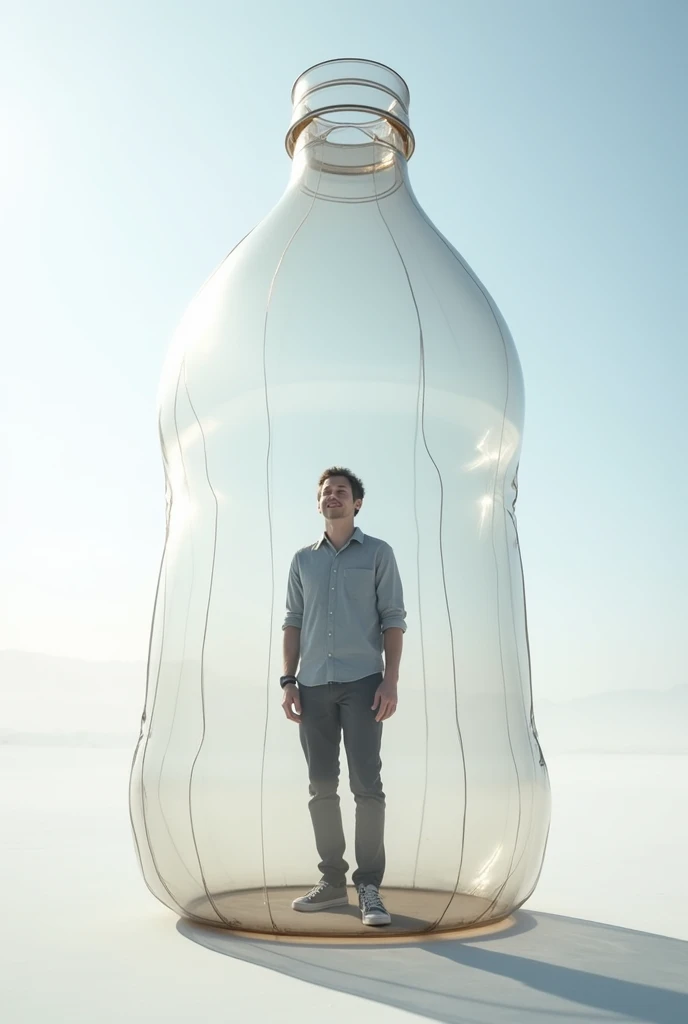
{"x":321,"y":897}
{"x":373,"y":910}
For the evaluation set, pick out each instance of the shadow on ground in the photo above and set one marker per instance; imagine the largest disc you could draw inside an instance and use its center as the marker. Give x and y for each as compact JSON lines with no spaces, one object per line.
{"x":545,"y":968}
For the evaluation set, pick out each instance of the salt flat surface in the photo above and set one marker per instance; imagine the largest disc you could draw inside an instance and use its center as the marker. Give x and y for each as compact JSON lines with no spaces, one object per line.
{"x":604,"y":938}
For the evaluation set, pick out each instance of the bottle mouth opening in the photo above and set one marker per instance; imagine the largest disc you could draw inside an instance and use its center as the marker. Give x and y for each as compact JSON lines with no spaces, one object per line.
{"x":353,"y":93}
{"x":350,"y":127}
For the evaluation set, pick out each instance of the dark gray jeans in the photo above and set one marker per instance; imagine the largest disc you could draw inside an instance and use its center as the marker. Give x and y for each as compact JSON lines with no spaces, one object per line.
{"x":327,"y":712}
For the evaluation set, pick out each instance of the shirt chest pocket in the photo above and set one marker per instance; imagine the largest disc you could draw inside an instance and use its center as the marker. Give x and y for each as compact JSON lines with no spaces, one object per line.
{"x":359,"y":584}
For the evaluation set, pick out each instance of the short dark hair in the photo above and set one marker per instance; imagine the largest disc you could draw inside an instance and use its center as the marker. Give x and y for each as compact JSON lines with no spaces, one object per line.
{"x":357,"y":488}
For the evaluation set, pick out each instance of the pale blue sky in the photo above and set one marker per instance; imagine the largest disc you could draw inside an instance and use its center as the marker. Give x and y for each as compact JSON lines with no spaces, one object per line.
{"x":142,"y":140}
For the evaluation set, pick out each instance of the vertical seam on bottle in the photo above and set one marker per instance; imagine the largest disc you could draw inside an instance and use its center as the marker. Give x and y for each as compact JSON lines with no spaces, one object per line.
{"x":184,"y":642}
{"x":162,"y":577}
{"x":421,"y":379}
{"x":419,"y":393}
{"x":203,"y":643}
{"x":268,"y":465}
{"x":529,"y":721}
{"x":145,"y":720}
{"x":542,"y":762}
{"x":444,"y":580}
{"x":531,"y":710}
{"x":511,"y":867}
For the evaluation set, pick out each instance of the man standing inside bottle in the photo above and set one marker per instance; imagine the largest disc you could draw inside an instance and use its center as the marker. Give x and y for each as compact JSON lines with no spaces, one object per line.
{"x":345,"y":608}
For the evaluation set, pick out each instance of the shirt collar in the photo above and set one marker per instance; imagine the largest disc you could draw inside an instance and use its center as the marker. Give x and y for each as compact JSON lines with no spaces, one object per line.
{"x":358,"y":535}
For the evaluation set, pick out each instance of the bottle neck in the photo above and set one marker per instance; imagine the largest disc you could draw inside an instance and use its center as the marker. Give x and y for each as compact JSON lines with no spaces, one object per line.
{"x":347,"y":161}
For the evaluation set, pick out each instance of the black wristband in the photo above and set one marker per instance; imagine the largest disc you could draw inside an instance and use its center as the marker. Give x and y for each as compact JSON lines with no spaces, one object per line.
{"x":285,"y":680}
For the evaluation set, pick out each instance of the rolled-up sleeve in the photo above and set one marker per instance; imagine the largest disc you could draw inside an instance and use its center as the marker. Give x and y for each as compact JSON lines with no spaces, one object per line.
{"x":390,"y":596}
{"x":294,"y":616}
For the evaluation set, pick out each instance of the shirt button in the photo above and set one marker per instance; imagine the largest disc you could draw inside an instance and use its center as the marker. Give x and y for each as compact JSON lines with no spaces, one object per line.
{"x":334,"y":570}
{"x":329,"y":655}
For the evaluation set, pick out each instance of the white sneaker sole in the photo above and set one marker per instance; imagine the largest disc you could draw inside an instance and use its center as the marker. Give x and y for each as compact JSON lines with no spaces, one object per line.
{"x":376,"y":919}
{"x":313,"y":908}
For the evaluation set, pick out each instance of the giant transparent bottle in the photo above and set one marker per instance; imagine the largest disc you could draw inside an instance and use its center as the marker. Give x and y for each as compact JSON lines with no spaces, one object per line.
{"x":346,"y":330}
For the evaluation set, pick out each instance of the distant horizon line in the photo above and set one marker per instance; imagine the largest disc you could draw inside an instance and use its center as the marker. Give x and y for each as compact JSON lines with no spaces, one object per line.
{"x":142,"y":663}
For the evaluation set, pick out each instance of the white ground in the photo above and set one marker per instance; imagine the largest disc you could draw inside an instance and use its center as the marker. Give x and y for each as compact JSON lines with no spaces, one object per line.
{"x":83,"y":940}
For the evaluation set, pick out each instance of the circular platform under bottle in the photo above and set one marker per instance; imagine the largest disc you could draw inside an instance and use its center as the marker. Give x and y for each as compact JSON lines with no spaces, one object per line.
{"x":415,"y":912}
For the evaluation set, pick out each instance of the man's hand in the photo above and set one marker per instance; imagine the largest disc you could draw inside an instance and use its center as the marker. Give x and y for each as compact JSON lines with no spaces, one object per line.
{"x":385,"y":702}
{"x":291,"y":702}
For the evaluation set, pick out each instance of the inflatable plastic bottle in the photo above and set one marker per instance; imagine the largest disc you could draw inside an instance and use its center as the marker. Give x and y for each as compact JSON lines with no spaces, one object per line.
{"x":344,"y":330}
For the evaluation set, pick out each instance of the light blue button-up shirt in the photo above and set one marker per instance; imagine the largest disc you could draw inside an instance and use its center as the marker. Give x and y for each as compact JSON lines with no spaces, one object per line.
{"x":343,"y":601}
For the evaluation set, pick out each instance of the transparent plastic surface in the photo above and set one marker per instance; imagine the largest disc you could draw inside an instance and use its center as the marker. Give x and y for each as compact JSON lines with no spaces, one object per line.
{"x":343,"y":330}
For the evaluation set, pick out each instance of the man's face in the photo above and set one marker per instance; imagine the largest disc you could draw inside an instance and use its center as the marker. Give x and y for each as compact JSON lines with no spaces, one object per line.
{"x":336,"y":500}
